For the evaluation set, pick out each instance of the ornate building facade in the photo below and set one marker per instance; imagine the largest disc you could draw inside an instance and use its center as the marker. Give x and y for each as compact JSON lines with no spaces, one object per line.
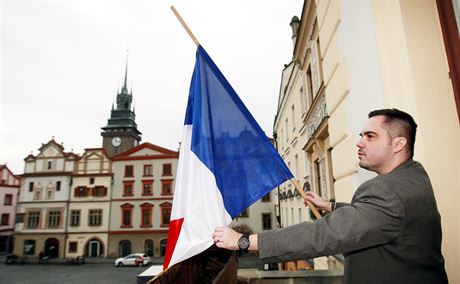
{"x":43,"y":204}
{"x":144,"y":179}
{"x":108,"y":202}
{"x":353,"y":57}
{"x":9,"y":193}
{"x":89,"y":205}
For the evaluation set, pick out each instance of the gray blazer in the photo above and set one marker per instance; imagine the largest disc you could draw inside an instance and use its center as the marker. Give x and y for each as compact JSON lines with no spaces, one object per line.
{"x":390,"y":233}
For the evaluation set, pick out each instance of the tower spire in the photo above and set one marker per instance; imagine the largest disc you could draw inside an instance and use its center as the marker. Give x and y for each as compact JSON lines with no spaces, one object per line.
{"x":125,"y":85}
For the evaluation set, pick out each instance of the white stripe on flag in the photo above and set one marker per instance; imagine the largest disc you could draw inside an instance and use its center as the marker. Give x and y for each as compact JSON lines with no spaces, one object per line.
{"x":198,"y":200}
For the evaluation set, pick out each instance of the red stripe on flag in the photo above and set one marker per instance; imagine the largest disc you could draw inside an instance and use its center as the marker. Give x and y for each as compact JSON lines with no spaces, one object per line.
{"x":173,"y":234}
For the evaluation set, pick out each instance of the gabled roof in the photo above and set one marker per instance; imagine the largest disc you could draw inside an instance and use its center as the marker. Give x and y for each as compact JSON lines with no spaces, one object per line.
{"x":154,"y":151}
{"x":5,"y":167}
{"x":52,"y":143}
{"x":95,"y":151}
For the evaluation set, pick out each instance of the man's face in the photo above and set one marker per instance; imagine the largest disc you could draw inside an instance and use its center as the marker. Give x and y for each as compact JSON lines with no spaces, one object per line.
{"x":375,"y":147}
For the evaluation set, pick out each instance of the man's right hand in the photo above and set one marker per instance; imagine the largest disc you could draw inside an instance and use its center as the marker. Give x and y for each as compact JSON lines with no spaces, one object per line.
{"x":318,"y":201}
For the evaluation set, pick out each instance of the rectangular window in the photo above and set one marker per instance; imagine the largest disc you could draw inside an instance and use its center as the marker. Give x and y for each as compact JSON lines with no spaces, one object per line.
{"x":91,"y":180}
{"x":99,"y":191}
{"x":73,"y":247}
{"x":54,"y":219}
{"x":166,"y":215}
{"x":95,"y":217}
{"x":129,"y":171}
{"x":5,"y":219}
{"x":49,"y":165}
{"x":29,"y":247}
{"x":75,"y":218}
{"x":33,"y":219}
{"x":81,"y":191}
{"x":146,"y":217}
{"x":20,"y":218}
{"x":128,"y":188}
{"x":303,"y":100}
{"x":8,"y":199}
{"x":148,"y":170}
{"x":31,"y":186}
{"x":310,"y":87}
{"x":319,"y":187}
{"x":266,"y":221}
{"x":167,"y":169}
{"x":293,"y":117}
{"x":147,"y":187}
{"x":166,"y":187}
{"x":317,"y":78}
{"x":126,"y":221}
{"x":266,"y":198}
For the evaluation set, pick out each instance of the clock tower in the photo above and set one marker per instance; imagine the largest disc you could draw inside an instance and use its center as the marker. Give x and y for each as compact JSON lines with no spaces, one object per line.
{"x":121,"y":134}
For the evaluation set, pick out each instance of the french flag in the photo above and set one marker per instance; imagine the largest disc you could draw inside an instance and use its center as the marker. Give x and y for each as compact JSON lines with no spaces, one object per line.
{"x":226,"y":163}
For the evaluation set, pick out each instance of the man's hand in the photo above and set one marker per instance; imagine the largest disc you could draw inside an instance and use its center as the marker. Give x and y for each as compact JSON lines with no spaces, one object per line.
{"x":318,"y":201}
{"x":227,"y":238}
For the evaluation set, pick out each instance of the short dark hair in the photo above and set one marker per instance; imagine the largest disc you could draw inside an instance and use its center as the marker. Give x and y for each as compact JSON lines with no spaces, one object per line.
{"x":399,"y":123}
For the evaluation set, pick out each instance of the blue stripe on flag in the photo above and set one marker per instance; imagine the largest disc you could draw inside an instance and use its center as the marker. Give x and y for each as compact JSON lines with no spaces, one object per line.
{"x":228,"y":140}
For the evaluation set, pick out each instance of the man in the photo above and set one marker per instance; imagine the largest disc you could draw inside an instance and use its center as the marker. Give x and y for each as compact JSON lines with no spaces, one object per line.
{"x":391,"y":231}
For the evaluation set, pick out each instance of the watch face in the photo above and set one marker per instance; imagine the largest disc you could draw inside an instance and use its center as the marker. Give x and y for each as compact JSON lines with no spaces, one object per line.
{"x":243,"y":243}
{"x":116,"y":141}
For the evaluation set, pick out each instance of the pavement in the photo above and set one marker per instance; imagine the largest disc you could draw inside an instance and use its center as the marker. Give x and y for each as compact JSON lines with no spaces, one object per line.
{"x":87,"y":260}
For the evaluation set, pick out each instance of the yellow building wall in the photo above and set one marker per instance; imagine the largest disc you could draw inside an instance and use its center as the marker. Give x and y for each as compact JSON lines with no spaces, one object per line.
{"x":416,"y":78}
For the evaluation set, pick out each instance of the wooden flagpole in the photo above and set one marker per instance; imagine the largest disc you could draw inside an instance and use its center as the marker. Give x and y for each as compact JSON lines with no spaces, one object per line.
{"x":304,"y":196}
{"x":185,"y":26}
{"x":296,"y":184}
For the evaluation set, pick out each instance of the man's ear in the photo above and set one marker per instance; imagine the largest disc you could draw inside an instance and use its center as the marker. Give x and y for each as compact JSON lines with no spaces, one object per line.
{"x":399,"y":143}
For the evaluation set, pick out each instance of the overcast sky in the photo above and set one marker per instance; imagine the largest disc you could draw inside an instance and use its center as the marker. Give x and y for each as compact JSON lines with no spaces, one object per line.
{"x":63,"y":61}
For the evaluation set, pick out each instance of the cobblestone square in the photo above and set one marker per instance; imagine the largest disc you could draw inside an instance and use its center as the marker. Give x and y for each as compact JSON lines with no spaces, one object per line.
{"x":100,"y":273}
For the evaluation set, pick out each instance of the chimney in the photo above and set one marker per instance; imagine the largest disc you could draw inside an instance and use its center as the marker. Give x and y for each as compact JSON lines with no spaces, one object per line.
{"x":295,"y":24}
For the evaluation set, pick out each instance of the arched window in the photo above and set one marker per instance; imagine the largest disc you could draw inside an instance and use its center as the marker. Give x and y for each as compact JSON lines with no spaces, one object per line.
{"x":163,"y":247}
{"x":52,"y":247}
{"x":148,"y":247}
{"x":124,"y":248}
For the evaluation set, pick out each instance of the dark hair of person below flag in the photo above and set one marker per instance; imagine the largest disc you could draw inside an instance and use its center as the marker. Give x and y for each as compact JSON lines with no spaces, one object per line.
{"x":226,"y":163}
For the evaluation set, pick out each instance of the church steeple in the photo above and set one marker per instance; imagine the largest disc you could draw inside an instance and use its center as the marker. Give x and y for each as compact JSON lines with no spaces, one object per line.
{"x":121,"y":134}
{"x":124,"y":89}
{"x":124,"y":98}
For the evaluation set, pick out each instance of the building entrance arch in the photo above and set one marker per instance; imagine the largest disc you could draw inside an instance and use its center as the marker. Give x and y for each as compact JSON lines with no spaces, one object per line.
{"x":52,"y":247}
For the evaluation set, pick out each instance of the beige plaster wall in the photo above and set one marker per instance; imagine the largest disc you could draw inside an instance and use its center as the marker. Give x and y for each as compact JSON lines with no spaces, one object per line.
{"x":415,"y":75}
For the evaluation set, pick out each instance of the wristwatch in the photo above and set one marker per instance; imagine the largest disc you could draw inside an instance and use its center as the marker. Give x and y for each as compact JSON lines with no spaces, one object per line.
{"x":243,"y":244}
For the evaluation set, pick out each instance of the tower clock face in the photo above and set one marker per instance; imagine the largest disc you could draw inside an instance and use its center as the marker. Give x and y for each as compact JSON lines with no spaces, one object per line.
{"x":116,"y":141}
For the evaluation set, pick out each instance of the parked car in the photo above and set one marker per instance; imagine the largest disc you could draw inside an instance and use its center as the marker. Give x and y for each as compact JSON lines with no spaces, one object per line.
{"x":134,"y":259}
